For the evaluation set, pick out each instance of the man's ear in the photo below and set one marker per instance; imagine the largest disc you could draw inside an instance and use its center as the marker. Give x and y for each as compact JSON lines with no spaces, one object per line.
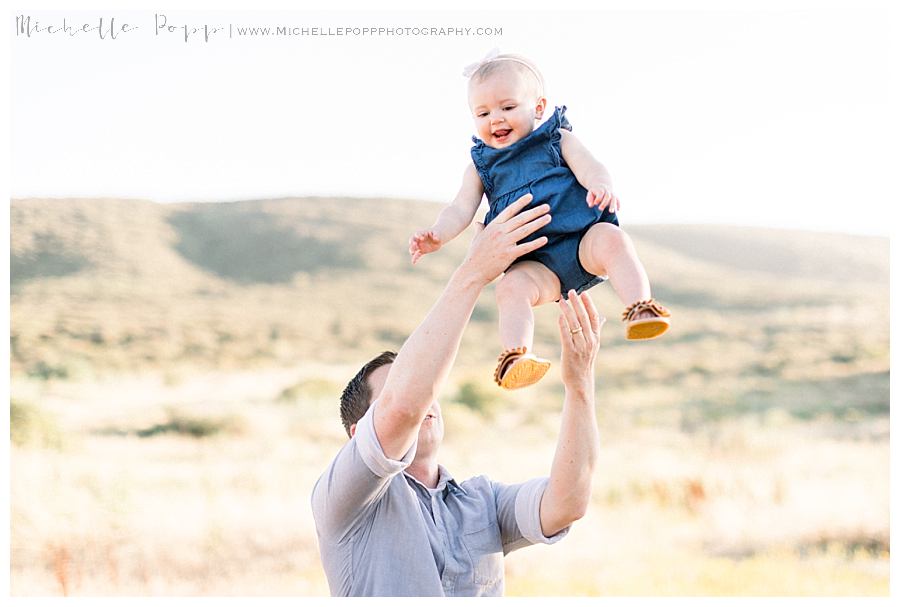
{"x":352,"y":430}
{"x":540,"y":107}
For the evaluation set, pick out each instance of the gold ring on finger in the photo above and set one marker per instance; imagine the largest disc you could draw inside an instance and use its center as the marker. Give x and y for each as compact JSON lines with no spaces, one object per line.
{"x":574,"y":331}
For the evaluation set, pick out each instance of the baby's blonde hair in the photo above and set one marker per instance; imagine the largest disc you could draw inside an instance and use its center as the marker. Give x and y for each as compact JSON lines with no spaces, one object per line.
{"x":518,"y":64}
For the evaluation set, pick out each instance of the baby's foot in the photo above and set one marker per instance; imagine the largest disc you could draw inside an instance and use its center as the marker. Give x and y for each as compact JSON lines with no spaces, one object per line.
{"x":516,"y":368}
{"x":647,"y":319}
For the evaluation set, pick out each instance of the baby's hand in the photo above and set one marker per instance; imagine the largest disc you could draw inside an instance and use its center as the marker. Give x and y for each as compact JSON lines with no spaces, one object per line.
{"x":422,"y":243}
{"x":602,"y":198}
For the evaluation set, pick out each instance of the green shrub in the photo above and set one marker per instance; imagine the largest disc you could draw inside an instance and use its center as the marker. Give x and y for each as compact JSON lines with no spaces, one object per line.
{"x":45,"y":371}
{"x":192,"y":425}
{"x":475,"y":396}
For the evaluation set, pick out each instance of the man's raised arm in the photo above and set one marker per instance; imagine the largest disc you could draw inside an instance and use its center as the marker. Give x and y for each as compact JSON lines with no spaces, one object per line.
{"x":568,"y":493}
{"x":425,"y":359}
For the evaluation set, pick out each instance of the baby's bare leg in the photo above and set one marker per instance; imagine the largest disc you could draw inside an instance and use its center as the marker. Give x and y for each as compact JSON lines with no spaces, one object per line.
{"x":607,"y":250}
{"x":525,"y":285}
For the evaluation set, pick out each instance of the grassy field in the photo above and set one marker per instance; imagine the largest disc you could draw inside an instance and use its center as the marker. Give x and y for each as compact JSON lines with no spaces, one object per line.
{"x":176,"y":368}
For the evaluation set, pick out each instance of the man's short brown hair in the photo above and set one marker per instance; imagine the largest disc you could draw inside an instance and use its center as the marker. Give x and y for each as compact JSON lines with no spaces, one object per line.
{"x":358,"y":394}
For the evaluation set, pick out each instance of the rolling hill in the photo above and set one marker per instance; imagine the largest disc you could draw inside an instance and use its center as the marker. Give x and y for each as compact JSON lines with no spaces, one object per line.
{"x":104,"y":286}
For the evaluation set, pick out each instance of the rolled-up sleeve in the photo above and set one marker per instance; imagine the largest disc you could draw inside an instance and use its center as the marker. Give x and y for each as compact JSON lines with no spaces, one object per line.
{"x":371,"y":452}
{"x":355,"y":480}
{"x":528,"y":512}
{"x":519,"y":513}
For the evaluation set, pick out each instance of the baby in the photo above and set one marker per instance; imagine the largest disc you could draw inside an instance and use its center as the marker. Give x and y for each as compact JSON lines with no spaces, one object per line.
{"x":510,"y":158}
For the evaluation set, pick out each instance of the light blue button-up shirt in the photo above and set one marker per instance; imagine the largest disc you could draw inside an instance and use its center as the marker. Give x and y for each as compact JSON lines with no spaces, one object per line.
{"x":383,"y":533}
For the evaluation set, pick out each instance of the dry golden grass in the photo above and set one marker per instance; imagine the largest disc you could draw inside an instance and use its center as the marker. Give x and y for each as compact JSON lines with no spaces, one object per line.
{"x":757,"y":508}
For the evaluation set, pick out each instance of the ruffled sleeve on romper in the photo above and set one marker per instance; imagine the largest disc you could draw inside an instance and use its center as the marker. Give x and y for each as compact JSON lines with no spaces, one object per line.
{"x":480,"y":162}
{"x":556,"y":122}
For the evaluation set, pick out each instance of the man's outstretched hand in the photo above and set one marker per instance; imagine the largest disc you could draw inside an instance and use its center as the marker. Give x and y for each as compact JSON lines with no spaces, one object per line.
{"x":579,"y":332}
{"x":495,"y":247}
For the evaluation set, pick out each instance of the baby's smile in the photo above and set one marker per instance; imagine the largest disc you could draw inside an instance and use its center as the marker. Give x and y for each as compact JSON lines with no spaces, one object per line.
{"x":501,"y":135}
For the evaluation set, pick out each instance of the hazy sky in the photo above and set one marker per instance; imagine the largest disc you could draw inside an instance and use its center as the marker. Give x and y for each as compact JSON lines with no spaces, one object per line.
{"x":775,"y":118}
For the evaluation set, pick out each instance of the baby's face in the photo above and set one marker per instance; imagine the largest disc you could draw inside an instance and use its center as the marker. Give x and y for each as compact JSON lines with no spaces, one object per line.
{"x":504,"y":107}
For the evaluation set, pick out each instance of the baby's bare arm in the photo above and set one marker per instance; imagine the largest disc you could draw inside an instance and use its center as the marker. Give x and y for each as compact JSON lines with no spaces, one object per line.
{"x":588,"y":170}
{"x":457,"y":215}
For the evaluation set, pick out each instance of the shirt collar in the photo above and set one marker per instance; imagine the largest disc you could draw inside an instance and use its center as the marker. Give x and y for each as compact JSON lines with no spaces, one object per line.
{"x":445,"y":477}
{"x":445,"y":480}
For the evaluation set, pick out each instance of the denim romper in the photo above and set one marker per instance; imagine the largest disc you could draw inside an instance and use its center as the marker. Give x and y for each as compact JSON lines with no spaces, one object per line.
{"x":535,"y":164}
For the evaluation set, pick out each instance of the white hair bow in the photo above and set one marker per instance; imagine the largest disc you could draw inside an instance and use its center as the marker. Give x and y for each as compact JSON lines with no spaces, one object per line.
{"x":473,"y":67}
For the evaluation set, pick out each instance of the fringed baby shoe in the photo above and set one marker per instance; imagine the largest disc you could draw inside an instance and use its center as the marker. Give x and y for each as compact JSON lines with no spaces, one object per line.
{"x":517,"y":369}
{"x":646,"y":328}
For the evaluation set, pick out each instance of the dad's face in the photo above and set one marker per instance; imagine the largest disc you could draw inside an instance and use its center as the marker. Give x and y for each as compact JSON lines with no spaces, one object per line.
{"x":431,"y":432}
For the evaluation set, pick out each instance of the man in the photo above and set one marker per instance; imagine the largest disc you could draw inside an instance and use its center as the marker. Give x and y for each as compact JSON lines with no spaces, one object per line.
{"x":391,"y":521}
